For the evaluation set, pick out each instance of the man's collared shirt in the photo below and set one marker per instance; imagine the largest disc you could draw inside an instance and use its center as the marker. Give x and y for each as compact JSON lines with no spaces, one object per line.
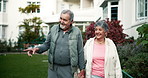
{"x":62,"y":53}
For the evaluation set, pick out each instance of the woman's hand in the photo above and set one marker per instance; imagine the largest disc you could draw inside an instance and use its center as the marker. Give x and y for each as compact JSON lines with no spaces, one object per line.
{"x":81,"y":74}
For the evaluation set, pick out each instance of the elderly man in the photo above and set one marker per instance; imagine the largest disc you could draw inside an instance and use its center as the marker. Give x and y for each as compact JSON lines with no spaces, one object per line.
{"x":65,"y":45}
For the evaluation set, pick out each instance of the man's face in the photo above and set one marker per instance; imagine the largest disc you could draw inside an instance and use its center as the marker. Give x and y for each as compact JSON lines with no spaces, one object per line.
{"x":65,"y":21}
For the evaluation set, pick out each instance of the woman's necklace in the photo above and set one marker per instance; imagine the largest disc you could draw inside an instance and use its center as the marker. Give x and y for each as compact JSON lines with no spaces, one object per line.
{"x":100,"y":41}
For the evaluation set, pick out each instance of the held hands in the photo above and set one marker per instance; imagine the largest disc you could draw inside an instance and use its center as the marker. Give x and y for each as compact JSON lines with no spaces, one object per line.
{"x":81,"y":74}
{"x":31,"y":51}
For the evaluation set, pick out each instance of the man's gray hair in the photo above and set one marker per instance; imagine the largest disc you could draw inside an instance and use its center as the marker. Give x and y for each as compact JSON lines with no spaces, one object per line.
{"x":70,"y":14}
{"x":102,"y":24}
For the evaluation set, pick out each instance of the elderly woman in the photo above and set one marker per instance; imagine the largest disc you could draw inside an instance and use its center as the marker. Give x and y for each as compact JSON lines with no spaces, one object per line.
{"x":101,"y":55}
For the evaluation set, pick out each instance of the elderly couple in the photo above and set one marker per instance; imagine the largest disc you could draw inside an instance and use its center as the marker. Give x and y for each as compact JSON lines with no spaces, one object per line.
{"x":98,"y":58}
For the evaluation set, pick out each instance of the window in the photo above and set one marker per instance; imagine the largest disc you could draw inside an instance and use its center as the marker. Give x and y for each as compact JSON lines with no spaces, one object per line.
{"x":29,"y":3}
{"x":62,"y":6}
{"x":3,"y":31}
{"x":141,"y":9}
{"x":80,"y":27}
{"x":105,"y":12}
{"x":70,"y":6}
{"x":38,"y":10}
{"x":35,"y":3}
{"x":4,"y":6}
{"x":114,"y":13}
{"x":110,"y":10}
{"x":114,"y":10}
{"x":146,"y":7}
{"x":0,"y":6}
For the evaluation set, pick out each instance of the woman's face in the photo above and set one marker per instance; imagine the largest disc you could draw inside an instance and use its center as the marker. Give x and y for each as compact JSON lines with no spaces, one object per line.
{"x":100,"y":32}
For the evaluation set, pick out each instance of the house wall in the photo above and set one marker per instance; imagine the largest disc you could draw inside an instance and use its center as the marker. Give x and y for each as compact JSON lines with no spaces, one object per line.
{"x":14,"y":18}
{"x":127,"y":14}
{"x":3,"y":20}
{"x":128,"y":17}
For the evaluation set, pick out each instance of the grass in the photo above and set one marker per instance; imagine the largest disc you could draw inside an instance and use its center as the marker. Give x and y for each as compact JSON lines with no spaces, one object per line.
{"x":23,"y":66}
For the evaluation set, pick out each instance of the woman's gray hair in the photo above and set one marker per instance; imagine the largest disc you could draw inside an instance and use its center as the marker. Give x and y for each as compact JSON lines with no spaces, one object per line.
{"x":70,"y":14}
{"x":102,"y":24}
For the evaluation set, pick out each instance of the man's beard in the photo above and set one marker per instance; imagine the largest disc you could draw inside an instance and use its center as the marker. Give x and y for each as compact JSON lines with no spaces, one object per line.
{"x":62,"y":27}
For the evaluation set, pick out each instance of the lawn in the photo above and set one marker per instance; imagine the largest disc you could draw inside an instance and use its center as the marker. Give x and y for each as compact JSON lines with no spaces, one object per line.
{"x":23,"y":66}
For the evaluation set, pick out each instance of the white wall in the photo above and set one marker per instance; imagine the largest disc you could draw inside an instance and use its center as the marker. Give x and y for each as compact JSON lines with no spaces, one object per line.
{"x":13,"y":18}
{"x":127,"y":15}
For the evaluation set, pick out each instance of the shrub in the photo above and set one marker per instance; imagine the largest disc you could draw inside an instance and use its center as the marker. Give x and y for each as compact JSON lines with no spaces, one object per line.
{"x":133,"y":57}
{"x":143,"y":35}
{"x":137,"y":65}
{"x":129,"y":50}
{"x":115,"y":32}
{"x":3,"y":46}
{"x":6,"y":46}
{"x":31,"y":32}
{"x":90,"y":32}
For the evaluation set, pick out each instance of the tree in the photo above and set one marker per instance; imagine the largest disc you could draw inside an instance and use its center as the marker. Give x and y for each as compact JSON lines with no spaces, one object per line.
{"x":29,"y":9}
{"x":31,"y":26}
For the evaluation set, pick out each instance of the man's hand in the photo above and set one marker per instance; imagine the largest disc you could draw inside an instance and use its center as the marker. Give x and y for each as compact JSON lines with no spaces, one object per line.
{"x":31,"y":51}
{"x":81,"y":74}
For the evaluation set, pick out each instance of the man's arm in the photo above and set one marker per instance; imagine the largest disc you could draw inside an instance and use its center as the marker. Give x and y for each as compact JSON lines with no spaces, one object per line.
{"x":81,"y":57}
{"x":80,"y":52}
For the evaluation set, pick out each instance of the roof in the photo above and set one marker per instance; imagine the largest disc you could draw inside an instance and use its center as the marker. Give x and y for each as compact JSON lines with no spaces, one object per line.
{"x":105,"y":2}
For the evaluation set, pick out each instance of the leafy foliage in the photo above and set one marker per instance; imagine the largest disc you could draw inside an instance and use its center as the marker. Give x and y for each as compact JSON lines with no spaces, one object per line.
{"x":29,"y":8}
{"x":137,"y":65}
{"x":143,"y":32}
{"x":3,"y":46}
{"x":7,"y":46}
{"x":31,"y":26}
{"x":31,"y":31}
{"x":134,"y":56}
{"x":90,"y":32}
{"x":128,"y":50}
{"x":115,"y":32}
{"x":131,"y":56}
